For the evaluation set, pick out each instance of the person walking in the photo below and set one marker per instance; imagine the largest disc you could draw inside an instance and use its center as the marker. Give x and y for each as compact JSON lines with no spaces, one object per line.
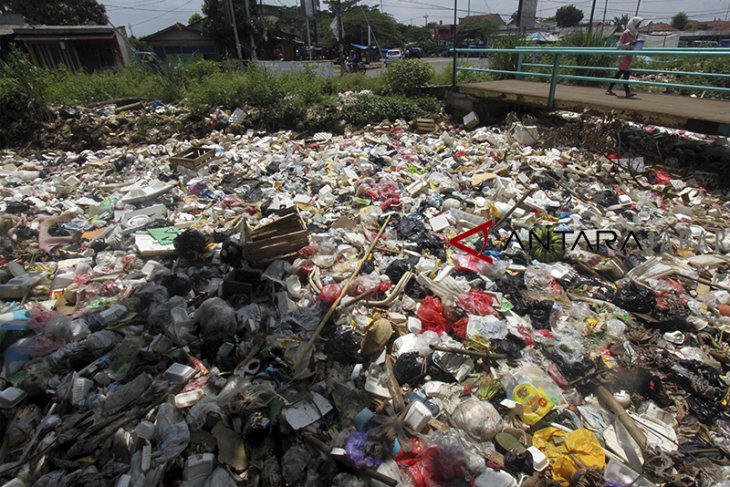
{"x":626,"y":41}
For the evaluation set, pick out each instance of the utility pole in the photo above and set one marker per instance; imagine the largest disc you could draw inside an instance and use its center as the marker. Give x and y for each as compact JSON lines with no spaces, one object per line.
{"x":519,"y":15}
{"x":638,"y":5}
{"x":468,"y":8}
{"x":605,"y":9}
{"x":251,"y":44}
{"x":340,"y":35}
{"x":590,"y":22}
{"x":426,"y":18}
{"x":232,"y":13}
{"x":453,"y":41}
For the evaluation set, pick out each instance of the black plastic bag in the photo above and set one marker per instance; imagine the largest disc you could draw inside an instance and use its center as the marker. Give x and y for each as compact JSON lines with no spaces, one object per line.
{"x":540,"y":315}
{"x":636,"y":298}
{"x":344,"y":347}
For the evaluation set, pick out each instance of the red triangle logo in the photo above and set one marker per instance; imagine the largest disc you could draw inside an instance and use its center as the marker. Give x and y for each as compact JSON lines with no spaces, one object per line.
{"x":484,"y":230}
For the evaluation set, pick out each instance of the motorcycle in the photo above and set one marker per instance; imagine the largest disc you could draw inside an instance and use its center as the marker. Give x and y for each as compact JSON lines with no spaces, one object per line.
{"x":353,"y":67}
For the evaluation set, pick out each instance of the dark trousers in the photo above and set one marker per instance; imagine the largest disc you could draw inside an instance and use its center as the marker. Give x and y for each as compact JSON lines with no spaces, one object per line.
{"x":626,"y":75}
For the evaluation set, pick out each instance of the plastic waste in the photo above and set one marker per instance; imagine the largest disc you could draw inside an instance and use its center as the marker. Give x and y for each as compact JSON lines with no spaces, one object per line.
{"x":478,"y":419}
{"x":569,"y":452}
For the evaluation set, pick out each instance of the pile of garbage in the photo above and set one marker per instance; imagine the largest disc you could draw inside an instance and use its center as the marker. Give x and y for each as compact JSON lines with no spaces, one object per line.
{"x":378,"y":308}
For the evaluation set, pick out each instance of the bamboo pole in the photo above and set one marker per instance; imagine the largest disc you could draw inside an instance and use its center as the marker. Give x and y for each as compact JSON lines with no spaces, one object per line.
{"x":331,"y":310}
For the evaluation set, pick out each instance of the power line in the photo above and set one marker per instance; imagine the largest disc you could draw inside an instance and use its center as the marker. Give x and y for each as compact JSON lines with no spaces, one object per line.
{"x":178,"y":9}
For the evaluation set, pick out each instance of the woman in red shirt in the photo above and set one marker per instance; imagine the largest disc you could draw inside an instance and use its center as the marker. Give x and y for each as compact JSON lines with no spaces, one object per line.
{"x":626,"y":41}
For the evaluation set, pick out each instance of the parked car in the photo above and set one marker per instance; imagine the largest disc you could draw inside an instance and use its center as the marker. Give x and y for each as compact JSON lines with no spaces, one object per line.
{"x":414,"y":53}
{"x":393,"y":55}
{"x":149,"y":60}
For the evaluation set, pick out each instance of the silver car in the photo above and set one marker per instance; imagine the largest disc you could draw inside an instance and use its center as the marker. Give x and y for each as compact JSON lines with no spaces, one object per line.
{"x":393,"y":55}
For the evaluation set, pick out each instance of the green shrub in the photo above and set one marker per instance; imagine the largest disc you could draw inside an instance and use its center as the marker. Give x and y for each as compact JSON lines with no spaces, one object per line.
{"x":409,"y":77}
{"x":445,"y":76}
{"x":131,"y":81}
{"x":583,"y":38}
{"x":374,"y":109}
{"x":505,"y":61}
{"x":23,"y":90}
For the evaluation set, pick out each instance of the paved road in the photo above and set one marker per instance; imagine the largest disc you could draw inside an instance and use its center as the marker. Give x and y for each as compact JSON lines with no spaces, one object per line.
{"x":438,"y":63}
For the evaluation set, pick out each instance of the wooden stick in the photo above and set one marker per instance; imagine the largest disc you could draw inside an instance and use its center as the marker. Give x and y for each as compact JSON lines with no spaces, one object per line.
{"x":374,"y":474}
{"x":504,"y":217}
{"x":608,"y":401}
{"x":472,"y":353}
{"x":330,"y":312}
{"x":396,"y":393}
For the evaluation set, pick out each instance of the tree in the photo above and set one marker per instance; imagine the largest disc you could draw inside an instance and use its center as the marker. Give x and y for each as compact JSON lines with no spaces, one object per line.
{"x":384,"y":28}
{"x":194,"y":18}
{"x":621,"y":22}
{"x":474,"y":30}
{"x":58,"y":12}
{"x":680,"y":21}
{"x":218,"y":26}
{"x":568,"y":16}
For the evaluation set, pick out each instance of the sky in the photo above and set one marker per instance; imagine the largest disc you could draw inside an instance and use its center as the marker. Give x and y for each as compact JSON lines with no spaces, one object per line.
{"x":148,"y":16}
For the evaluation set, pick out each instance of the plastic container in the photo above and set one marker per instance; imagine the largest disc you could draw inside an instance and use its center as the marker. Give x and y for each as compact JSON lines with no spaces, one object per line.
{"x":639,"y":45}
{"x":11,"y":397}
{"x":418,"y":416}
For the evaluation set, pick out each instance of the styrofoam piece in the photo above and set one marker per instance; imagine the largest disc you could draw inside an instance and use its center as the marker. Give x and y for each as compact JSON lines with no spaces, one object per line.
{"x":147,"y":246}
{"x":151,"y":212}
{"x":187,"y":399}
{"x":439,"y":223}
{"x":80,"y":389}
{"x":179,"y":373}
{"x":418,"y":416}
{"x":539,"y":460}
{"x":145,"y":430}
{"x":464,"y":216}
{"x":416,"y":187}
{"x":15,"y":268}
{"x":148,"y":192}
{"x":304,"y":413}
{"x":414,"y":325}
{"x":619,"y":472}
{"x":471,"y":120}
{"x":198,"y":468}
{"x":525,"y":134}
{"x":373,"y":387}
{"x":18,"y":286}
{"x":146,"y":456}
{"x":11,"y":397}
{"x":302,"y":199}
{"x":706,"y":260}
{"x":124,"y":480}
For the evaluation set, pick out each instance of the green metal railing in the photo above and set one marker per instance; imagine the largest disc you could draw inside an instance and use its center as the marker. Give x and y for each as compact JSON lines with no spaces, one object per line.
{"x":557,"y":52}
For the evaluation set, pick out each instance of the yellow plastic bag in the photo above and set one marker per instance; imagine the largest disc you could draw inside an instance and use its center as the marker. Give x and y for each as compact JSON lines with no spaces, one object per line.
{"x":535,"y":402}
{"x":569,"y":452}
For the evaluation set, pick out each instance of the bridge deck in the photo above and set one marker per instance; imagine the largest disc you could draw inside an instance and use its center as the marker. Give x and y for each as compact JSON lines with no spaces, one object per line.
{"x":695,"y":114}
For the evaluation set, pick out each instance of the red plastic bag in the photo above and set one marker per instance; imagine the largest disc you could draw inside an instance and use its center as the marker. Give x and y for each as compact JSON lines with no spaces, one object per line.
{"x":433,"y":466}
{"x":431,"y":314}
{"x":470,"y":263}
{"x":329,"y":294}
{"x":661,"y":176}
{"x":308,"y":251}
{"x":477,"y":303}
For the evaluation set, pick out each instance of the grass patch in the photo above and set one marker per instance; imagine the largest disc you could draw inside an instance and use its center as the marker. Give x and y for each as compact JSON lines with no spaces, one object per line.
{"x":374,"y":109}
{"x":290,"y":100}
